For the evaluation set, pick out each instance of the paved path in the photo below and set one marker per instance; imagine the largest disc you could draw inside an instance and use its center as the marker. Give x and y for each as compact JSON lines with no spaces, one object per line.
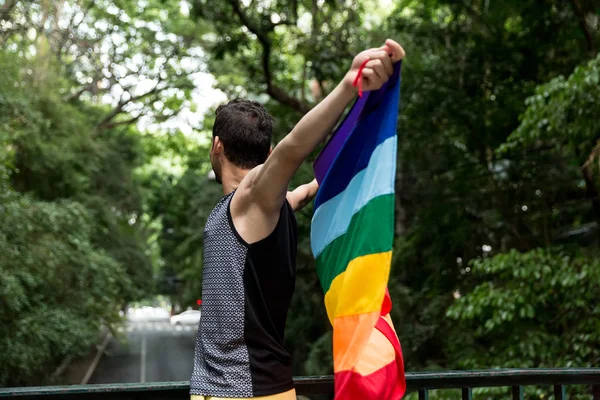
{"x":148,"y":351}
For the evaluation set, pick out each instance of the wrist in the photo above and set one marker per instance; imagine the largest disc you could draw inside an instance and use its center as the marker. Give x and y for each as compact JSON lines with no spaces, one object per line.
{"x":346,"y":87}
{"x":347,"y":84}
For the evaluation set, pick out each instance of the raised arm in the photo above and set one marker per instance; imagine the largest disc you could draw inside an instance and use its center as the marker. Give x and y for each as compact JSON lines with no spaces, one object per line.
{"x":271,"y":182}
{"x":263,"y":191}
{"x":302,"y":195}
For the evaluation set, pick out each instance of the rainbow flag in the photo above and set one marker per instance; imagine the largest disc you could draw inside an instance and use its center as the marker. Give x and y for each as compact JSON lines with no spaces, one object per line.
{"x":351,"y":238}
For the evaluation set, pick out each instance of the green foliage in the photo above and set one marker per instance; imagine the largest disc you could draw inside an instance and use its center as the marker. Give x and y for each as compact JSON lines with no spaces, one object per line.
{"x":562,"y":114}
{"x":533,"y":309}
{"x":470,"y":68}
{"x":56,"y":287}
{"x":186,"y":208}
{"x":57,"y":156}
{"x":320,"y":359}
{"x":72,"y":247}
{"x":496,"y":158}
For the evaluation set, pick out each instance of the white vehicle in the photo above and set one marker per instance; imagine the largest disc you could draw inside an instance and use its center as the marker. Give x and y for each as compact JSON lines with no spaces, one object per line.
{"x":190,"y":317}
{"x":148,"y":314}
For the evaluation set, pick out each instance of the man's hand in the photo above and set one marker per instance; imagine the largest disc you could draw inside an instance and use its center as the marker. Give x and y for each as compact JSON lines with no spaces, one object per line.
{"x":302,"y":195}
{"x":378,"y":68}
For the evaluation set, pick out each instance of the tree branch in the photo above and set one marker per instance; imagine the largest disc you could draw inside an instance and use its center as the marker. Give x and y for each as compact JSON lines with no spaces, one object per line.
{"x":85,"y":13}
{"x":6,"y":9}
{"x":64,"y":37}
{"x":584,"y":26}
{"x":294,"y":8}
{"x":263,"y":37}
{"x":122,"y":103}
{"x":594,"y":155}
{"x":315,"y":19}
{"x":302,"y":84}
{"x":7,"y":33}
{"x":124,"y":122}
{"x":77,"y":94}
{"x":284,"y":22}
{"x":471,"y":11}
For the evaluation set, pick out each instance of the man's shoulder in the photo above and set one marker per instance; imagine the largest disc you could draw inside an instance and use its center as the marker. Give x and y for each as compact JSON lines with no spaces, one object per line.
{"x":243,"y":195}
{"x":247,"y":181}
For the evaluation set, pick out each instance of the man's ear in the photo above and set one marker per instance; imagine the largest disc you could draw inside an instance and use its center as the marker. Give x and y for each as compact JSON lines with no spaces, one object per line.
{"x":217,"y":145}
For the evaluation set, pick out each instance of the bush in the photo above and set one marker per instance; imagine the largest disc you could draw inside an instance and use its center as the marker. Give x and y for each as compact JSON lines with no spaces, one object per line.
{"x":56,"y":288}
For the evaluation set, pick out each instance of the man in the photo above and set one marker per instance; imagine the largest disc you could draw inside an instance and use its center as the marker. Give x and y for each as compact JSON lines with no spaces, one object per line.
{"x":250,"y":239}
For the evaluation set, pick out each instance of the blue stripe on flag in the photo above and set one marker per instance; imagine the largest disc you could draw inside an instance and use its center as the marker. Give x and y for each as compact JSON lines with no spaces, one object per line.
{"x":371,"y":131}
{"x":332,"y":218}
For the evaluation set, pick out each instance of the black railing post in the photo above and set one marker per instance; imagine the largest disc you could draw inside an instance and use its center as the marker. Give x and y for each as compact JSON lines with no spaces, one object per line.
{"x":560,"y":392}
{"x":596,"y":392}
{"x":518,"y":393}
{"x":423,"y":394}
{"x":467,"y":394}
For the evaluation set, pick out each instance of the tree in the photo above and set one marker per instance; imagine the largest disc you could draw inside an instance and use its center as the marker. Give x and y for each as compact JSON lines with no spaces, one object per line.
{"x":56,"y":287}
{"x":135,"y":55}
{"x":497,"y":160}
{"x":561,"y":117}
{"x":529,"y":310}
{"x":470,"y":67}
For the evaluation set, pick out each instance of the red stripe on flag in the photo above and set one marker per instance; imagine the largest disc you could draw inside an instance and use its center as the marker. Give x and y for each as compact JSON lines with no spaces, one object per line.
{"x":387,"y":303}
{"x":383,"y":384}
{"x":385,"y":328}
{"x":387,"y":383}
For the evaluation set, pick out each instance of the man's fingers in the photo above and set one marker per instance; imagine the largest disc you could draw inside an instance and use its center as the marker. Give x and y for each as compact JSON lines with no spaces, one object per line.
{"x":388,"y":65}
{"x":369,"y":75}
{"x":384,"y":57}
{"x":377,"y":66}
{"x":363,"y":56}
{"x":396,"y":51}
{"x":372,"y":79}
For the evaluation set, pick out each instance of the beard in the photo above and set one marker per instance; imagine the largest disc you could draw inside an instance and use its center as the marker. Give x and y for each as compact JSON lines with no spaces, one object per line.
{"x":216,"y":170}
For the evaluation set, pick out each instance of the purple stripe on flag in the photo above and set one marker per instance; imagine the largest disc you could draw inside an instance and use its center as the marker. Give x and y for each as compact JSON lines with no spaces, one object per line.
{"x":333,"y":147}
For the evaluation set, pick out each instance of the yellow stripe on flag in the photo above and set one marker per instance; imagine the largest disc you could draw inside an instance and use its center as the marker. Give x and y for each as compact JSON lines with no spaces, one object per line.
{"x":360,"y":288}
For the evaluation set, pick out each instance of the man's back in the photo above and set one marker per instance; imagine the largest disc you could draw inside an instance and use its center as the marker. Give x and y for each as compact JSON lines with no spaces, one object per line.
{"x":246,"y":291}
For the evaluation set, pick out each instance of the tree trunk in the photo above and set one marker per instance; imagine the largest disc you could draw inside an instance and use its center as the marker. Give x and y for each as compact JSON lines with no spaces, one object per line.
{"x":589,"y":38}
{"x":591,"y":192}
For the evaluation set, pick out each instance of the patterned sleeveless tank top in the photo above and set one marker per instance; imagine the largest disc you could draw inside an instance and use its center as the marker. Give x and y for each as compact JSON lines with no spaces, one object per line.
{"x":246,"y":293}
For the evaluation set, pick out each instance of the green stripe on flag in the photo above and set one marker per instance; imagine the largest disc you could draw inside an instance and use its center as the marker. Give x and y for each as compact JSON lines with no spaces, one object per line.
{"x":371,"y":230}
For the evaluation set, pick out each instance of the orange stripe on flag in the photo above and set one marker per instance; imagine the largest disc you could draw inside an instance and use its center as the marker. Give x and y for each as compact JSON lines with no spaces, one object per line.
{"x":378,"y":372}
{"x":377,"y":353}
{"x":350,"y":336}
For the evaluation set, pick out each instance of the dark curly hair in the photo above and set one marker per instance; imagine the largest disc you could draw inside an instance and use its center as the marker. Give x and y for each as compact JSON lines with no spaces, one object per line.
{"x":245,"y":128}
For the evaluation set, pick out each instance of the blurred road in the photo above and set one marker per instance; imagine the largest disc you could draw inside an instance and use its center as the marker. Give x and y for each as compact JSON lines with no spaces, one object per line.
{"x":149,"y":350}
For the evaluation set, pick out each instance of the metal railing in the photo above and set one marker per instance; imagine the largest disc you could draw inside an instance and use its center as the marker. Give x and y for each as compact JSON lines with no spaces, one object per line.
{"x":420,"y":382}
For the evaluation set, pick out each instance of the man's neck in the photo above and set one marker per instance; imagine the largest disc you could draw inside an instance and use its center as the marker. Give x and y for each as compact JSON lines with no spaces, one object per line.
{"x":231,"y":178}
